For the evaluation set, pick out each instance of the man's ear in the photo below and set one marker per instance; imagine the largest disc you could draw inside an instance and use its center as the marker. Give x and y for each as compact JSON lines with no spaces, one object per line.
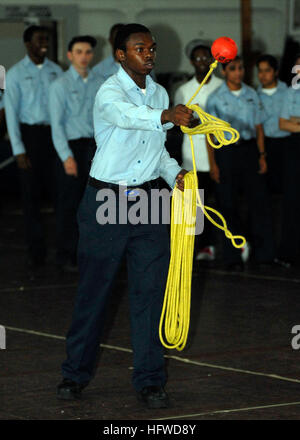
{"x":223,"y":72}
{"x":69,"y":55}
{"x":120,"y":55}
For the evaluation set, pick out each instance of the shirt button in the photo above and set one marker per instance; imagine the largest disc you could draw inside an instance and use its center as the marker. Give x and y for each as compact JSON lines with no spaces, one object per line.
{"x":139,"y":161}
{"x":134,"y":180}
{"x":143,"y":142}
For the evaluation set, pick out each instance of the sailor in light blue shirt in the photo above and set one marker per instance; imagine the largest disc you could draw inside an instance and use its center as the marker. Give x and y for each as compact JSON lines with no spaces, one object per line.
{"x":272,"y":105}
{"x":131,"y":116}
{"x":271,"y":93}
{"x":241,"y":165}
{"x":291,"y":106}
{"x":109,"y":66}
{"x":241,"y":108}
{"x":26,"y":97}
{"x":129,"y":134}
{"x":28,"y":121}
{"x":71,"y":102}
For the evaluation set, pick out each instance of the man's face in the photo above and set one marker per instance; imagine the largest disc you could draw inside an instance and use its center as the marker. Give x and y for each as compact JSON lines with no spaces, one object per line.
{"x":81,"y":55}
{"x":39,"y":44}
{"x":201,"y":61}
{"x":140,"y":54}
{"x":266,"y":74}
{"x":234,"y":72}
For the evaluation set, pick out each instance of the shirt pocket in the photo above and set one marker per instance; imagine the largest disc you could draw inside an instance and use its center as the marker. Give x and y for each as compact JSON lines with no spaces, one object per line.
{"x":74,"y":103}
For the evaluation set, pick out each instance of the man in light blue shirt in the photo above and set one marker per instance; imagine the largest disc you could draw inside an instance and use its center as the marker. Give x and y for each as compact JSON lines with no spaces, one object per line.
{"x":110,"y":65}
{"x":28,"y":123}
{"x":271,"y":93}
{"x":290,"y":122}
{"x":242,"y":165}
{"x":131,"y":117}
{"x":71,"y":102}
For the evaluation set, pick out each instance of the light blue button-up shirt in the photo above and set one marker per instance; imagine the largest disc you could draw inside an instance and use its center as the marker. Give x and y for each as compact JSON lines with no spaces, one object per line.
{"x":243,"y":112}
{"x":129,"y":135}
{"x":291,"y":103}
{"x":272,"y":105}
{"x":71,"y":102}
{"x":26,"y":97}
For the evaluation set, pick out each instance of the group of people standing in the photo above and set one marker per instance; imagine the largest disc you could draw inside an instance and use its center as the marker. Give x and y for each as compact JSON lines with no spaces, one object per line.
{"x":262,"y":162}
{"x":59,"y":121}
{"x":49,"y":115}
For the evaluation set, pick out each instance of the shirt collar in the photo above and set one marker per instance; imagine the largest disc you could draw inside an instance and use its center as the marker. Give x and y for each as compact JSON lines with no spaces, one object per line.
{"x":76,"y":75}
{"x":28,"y":62}
{"x":224,"y":88}
{"x":128,"y":82}
{"x":280,"y":86}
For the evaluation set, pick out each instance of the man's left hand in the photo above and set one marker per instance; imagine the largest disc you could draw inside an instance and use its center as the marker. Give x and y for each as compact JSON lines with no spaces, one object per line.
{"x":180,"y":179}
{"x":263,"y":167}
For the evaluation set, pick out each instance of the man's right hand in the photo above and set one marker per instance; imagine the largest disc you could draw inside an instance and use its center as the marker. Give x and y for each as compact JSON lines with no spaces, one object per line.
{"x":70,"y":166}
{"x":23,"y":161}
{"x":179,"y":115}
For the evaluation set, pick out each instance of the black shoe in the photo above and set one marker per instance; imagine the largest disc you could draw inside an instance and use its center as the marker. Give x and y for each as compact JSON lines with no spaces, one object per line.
{"x":155,"y":397}
{"x":69,"y":390}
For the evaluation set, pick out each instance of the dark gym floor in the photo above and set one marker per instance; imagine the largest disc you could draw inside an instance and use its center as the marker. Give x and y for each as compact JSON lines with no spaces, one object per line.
{"x":238,"y":364}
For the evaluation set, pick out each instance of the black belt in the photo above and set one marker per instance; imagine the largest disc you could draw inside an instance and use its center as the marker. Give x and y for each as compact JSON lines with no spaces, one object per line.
{"x":79,"y":140}
{"x":99,"y":184}
{"x":35,"y":125}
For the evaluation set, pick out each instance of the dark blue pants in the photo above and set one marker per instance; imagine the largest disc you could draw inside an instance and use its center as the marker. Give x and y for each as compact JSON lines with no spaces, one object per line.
{"x":239,"y":173}
{"x":100,"y":250}
{"x":35,"y":180}
{"x":70,"y":192}
{"x":290,"y":237}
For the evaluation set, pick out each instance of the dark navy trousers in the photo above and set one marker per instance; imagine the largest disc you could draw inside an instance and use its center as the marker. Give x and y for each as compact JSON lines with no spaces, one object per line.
{"x":239,"y":172}
{"x":100,"y":251}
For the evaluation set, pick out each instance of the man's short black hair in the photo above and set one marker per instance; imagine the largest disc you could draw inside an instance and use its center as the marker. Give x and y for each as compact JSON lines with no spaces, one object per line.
{"x":82,"y":39}
{"x":124,"y":33}
{"x":266,"y":58}
{"x":28,"y":33}
{"x":237,"y":58}
{"x":115,"y":28}
{"x":201,"y":46}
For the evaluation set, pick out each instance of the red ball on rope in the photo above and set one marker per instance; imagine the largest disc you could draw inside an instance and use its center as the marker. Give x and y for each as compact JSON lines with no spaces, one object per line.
{"x":224,"y":49}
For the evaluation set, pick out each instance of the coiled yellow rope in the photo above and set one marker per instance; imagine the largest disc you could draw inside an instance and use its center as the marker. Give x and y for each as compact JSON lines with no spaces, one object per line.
{"x":176,"y":307}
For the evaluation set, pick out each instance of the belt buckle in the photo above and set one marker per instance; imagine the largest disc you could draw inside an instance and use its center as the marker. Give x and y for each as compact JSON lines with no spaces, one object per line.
{"x":131,"y":192}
